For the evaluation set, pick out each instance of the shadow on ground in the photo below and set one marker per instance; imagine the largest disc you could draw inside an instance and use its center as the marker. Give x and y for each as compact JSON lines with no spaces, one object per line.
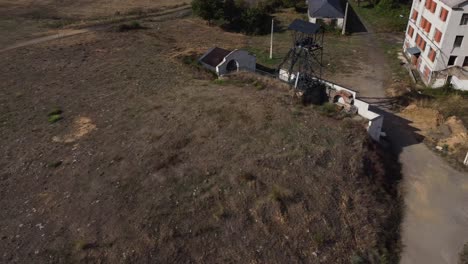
{"x":354,"y":23}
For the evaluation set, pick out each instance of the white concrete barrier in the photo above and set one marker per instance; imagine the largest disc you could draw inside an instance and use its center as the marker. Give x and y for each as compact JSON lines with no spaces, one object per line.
{"x":374,"y":127}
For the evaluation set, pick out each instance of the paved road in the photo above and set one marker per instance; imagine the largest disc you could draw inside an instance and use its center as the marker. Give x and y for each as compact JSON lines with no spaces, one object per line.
{"x":435,"y":217}
{"x":435,"y":221}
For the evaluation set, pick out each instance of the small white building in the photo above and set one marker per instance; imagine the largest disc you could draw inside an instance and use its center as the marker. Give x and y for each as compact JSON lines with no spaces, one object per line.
{"x":437,"y":42}
{"x":224,"y":61}
{"x":328,"y":11}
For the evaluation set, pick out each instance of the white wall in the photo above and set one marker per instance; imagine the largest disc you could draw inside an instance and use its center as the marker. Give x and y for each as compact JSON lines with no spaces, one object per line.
{"x":450,"y":29}
{"x":459,"y":84}
{"x":453,"y":29}
{"x":244,"y":59}
{"x":374,"y":127}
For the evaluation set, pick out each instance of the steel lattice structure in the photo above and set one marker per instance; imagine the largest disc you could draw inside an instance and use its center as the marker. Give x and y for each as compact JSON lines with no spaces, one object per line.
{"x":306,"y":54}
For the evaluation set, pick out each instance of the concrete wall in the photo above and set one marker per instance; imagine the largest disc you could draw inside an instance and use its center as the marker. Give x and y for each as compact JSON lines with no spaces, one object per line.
{"x":244,"y":60}
{"x":374,"y":126}
{"x":450,"y":29}
{"x":459,"y":83}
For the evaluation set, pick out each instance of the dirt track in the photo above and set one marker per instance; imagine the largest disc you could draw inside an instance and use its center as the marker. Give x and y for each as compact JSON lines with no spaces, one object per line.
{"x":160,"y":16}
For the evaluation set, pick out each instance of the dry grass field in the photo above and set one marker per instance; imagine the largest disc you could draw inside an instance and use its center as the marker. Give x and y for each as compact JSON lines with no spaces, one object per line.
{"x":113,"y":150}
{"x":81,"y":9}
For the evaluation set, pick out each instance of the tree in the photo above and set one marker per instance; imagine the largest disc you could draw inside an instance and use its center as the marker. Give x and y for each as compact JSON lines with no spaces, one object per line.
{"x":255,"y":21}
{"x":208,"y":9}
{"x":232,"y":11}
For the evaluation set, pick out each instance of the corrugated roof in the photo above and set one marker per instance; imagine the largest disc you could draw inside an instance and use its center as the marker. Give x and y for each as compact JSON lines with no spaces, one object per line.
{"x":413,"y":51}
{"x":215,"y":56}
{"x":327,"y":8}
{"x":453,"y":3}
{"x":304,"y":26}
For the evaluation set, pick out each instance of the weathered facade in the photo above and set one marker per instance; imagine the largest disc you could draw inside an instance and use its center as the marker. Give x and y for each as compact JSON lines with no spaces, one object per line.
{"x":436,"y":42}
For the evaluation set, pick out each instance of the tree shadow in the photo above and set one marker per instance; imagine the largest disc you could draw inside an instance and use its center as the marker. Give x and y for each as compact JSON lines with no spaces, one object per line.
{"x":354,"y":23}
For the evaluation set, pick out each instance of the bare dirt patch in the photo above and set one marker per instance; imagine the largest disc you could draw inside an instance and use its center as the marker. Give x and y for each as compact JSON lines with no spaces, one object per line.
{"x":81,"y":127}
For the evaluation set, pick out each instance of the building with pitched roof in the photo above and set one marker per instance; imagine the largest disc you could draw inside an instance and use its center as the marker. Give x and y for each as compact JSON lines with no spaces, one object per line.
{"x":436,"y":42}
{"x":224,"y":61}
{"x":328,"y":11}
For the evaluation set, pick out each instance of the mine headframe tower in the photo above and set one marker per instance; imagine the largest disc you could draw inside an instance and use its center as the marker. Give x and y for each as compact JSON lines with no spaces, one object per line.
{"x":306,"y":54}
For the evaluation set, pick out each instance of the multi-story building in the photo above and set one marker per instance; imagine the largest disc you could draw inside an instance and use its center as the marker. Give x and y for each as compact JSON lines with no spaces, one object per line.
{"x":437,"y":41}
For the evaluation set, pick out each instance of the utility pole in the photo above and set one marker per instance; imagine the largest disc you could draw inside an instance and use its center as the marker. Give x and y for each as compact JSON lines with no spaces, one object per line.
{"x":271,"y":41}
{"x":345,"y":18}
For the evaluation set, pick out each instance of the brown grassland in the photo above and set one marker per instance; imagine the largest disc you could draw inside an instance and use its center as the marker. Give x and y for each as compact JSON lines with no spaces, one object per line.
{"x":150,"y":160}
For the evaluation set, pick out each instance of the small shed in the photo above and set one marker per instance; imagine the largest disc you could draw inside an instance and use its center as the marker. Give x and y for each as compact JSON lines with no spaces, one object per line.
{"x":329,"y":11}
{"x":224,"y":61}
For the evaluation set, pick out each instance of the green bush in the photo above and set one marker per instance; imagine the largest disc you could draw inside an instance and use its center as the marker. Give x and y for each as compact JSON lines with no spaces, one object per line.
{"x":54,"y":115}
{"x":237,"y":15}
{"x":208,"y":9}
{"x":54,"y":118}
{"x":255,"y":21}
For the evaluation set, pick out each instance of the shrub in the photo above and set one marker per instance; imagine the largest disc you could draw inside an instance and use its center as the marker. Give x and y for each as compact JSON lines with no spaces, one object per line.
{"x":54,"y":115}
{"x":237,"y":15}
{"x":255,"y":21}
{"x":328,"y":108}
{"x":132,"y":26}
{"x":54,"y":118}
{"x":208,"y":9}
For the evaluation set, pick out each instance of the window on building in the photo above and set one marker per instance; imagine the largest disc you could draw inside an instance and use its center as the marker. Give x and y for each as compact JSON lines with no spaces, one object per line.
{"x":458,"y":41}
{"x":432,"y":54}
{"x":410,"y":31}
{"x":437,"y":35}
{"x":428,"y":26}
{"x":425,"y":25}
{"x":443,"y":14}
{"x":465,"y":62}
{"x":423,"y":22}
{"x":427,"y":72}
{"x":415,"y":15}
{"x":428,"y":4}
{"x":433,"y":6}
{"x":421,"y":43}
{"x":464,"y":19}
{"x":452,"y":60}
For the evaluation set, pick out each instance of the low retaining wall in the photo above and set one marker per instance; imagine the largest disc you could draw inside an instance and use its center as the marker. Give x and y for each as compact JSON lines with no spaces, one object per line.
{"x":374,"y":127}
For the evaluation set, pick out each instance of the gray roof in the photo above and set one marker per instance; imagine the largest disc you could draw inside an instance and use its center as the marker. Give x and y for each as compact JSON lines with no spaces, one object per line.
{"x":413,"y":51}
{"x":454,"y":3}
{"x":304,"y":26}
{"x":327,"y":8}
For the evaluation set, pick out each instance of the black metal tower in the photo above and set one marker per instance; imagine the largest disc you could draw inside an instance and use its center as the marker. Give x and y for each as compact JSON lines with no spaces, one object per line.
{"x":306,"y":54}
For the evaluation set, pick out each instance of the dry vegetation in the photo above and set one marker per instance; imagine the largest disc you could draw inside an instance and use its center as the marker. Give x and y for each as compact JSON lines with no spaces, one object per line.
{"x":441,"y":116}
{"x":23,"y":20}
{"x":81,"y":9}
{"x":153,"y":161}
